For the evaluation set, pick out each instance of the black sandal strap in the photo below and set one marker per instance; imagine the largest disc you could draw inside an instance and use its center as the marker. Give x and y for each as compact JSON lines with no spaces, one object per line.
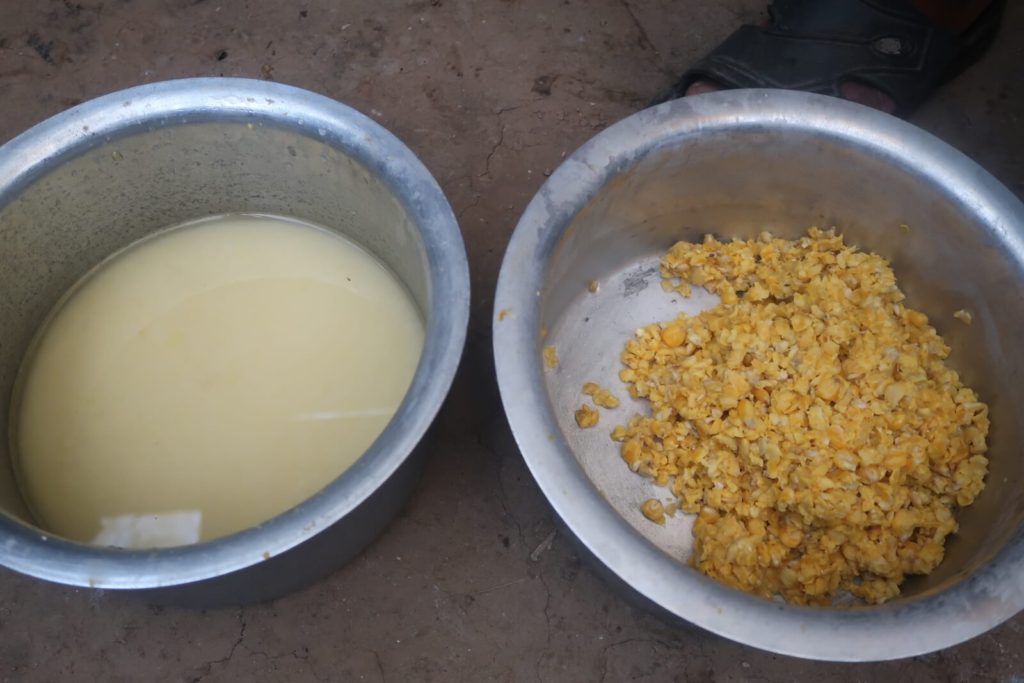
{"x":816,"y":46}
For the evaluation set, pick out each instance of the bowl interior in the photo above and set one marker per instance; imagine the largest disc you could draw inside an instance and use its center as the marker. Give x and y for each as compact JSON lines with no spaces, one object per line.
{"x":58,"y":222}
{"x":736,"y":182}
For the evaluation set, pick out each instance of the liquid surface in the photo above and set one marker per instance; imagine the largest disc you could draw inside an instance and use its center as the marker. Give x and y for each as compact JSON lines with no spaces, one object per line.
{"x":209,"y":378}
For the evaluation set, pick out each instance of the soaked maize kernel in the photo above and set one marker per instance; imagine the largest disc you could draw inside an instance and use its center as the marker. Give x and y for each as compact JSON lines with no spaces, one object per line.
{"x":587,"y":417}
{"x":964,"y":316}
{"x":653,"y":510}
{"x":550,"y":357}
{"x":601,"y":396}
{"x":809,"y":420}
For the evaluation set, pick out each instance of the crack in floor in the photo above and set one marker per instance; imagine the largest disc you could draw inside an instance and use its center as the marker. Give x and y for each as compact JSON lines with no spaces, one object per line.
{"x":380,"y":665}
{"x":473,"y":204}
{"x":494,"y":149}
{"x":503,"y":497}
{"x":299,"y":654}
{"x":610,"y":646}
{"x":645,"y":40}
{"x":547,"y":627}
{"x":207,"y":668}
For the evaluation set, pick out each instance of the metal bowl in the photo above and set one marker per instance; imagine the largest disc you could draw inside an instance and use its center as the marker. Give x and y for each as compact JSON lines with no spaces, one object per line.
{"x":89,"y":181}
{"x":734,"y":164}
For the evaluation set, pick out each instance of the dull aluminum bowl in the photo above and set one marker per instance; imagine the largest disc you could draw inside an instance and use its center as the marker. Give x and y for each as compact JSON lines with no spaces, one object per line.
{"x":734,"y":164}
{"x":89,"y":181}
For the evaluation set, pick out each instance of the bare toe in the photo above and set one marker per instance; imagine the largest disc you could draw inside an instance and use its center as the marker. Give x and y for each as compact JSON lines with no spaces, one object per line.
{"x":868,"y":96}
{"x":701,"y":86}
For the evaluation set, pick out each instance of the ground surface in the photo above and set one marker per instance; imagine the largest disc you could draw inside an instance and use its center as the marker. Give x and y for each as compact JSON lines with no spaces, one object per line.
{"x":490,"y":94}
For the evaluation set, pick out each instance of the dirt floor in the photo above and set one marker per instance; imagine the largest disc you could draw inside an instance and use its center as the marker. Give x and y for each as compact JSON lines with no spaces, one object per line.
{"x":490,"y":94}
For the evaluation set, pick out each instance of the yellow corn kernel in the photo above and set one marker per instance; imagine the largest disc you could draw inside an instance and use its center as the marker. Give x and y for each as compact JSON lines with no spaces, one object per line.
{"x":791,"y":537}
{"x":916,"y":318}
{"x":601,"y":396}
{"x":673,"y":336}
{"x":631,"y":453}
{"x":587,"y":417}
{"x":829,"y":388}
{"x":653,"y":510}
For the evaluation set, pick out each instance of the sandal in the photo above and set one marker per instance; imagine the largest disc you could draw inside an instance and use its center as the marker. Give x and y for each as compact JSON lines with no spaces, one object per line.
{"x":817,"y":46}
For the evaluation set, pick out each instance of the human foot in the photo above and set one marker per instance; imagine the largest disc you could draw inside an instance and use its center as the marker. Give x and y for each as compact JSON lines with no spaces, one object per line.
{"x":923,"y":43}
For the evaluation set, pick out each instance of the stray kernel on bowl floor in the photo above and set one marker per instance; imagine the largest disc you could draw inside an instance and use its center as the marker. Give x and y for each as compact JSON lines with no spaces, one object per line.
{"x":809,"y":420}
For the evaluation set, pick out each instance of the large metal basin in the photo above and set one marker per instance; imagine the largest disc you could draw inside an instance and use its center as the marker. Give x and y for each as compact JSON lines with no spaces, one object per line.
{"x":734,"y":164}
{"x":100,"y":176}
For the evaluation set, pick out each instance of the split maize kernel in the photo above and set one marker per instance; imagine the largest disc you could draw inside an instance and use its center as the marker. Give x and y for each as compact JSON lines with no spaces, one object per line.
{"x":601,"y":396}
{"x":587,"y":417}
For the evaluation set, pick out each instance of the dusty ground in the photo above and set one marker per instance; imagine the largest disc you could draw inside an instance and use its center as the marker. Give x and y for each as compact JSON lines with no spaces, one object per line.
{"x":490,"y":94}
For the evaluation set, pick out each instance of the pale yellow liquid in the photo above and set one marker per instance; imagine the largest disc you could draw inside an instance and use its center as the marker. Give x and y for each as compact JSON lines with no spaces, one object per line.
{"x":209,"y":378}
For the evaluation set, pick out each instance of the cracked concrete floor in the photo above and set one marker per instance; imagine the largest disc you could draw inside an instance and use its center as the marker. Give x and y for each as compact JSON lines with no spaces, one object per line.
{"x":490,"y":94}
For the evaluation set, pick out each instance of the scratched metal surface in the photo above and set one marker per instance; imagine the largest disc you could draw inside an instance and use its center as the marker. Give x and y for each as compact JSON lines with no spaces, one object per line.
{"x":589,"y":337}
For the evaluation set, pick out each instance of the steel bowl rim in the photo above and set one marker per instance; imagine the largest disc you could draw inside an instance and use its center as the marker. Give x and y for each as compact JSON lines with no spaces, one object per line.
{"x":32,"y":551}
{"x":992,"y":594}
